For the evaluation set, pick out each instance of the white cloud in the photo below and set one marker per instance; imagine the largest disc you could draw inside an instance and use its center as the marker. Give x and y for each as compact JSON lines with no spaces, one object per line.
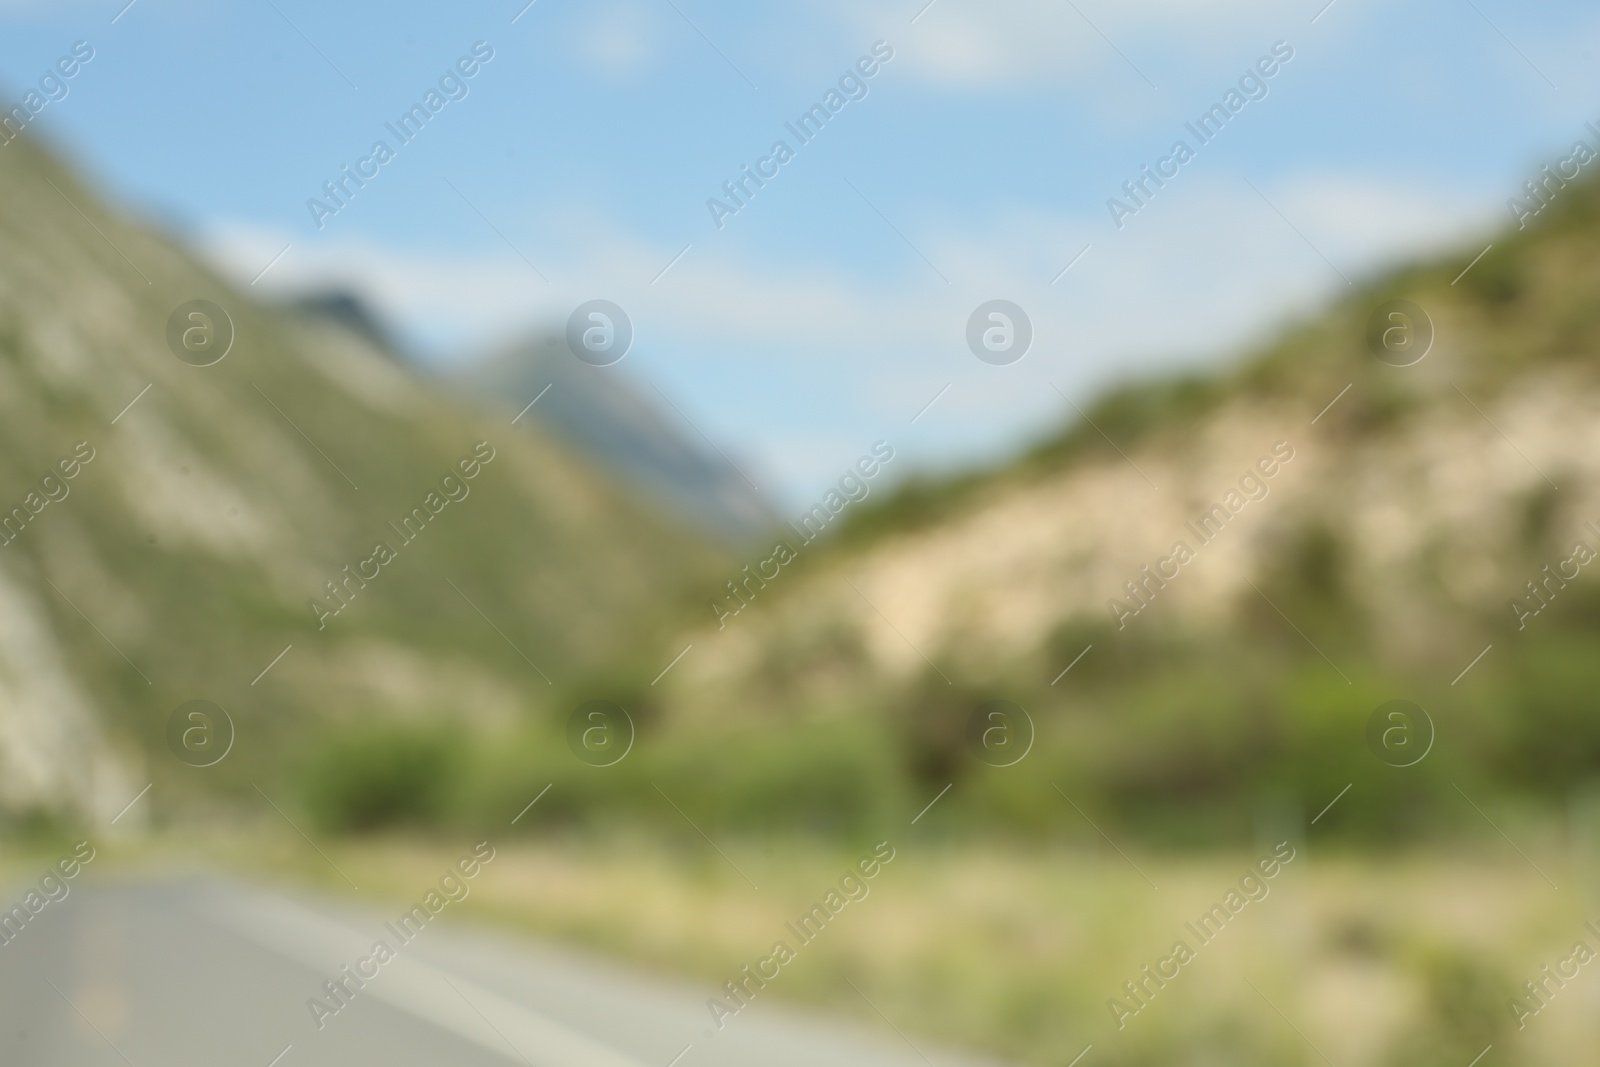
{"x":837,"y":359}
{"x":1188,"y":253}
{"x":1024,"y":43}
{"x":616,"y":39}
{"x":444,"y":300}
{"x":1367,"y":222}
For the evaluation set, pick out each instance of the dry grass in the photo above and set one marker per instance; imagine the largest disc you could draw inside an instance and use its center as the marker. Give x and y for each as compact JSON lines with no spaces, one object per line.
{"x":1367,"y":962}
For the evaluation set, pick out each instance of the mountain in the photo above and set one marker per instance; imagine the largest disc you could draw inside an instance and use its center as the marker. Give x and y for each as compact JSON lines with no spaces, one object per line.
{"x":1430,"y":485}
{"x":303,"y":531}
{"x":598,"y":411}
{"x":602,"y":413}
{"x":343,"y":308}
{"x":1248,"y":561}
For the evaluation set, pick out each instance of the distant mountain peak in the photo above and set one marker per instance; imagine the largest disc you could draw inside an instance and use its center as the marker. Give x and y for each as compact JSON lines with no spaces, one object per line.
{"x":348,"y":310}
{"x":602,"y":412}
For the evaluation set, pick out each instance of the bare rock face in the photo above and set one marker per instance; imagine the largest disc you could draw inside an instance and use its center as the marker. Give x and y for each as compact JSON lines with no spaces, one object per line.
{"x":54,"y":753}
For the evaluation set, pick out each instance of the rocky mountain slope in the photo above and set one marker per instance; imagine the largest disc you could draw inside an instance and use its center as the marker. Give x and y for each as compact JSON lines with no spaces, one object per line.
{"x":1387,"y":514}
{"x":181,"y":531}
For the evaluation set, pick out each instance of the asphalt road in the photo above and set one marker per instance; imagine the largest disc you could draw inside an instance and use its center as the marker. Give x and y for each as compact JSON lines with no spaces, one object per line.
{"x":184,"y":973}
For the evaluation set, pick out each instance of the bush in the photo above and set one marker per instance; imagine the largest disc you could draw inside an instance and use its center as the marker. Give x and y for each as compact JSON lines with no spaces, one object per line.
{"x":382,"y":775}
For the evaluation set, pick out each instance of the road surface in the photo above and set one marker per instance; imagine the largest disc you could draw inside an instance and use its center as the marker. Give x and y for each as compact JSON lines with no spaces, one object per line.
{"x":207,"y":973}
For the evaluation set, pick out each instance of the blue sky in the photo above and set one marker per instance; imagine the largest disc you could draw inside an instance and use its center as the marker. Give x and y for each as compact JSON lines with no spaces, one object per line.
{"x":831,"y":309}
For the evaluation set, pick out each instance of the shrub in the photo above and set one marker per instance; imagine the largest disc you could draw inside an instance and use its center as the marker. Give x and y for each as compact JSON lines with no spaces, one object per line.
{"x":382,"y":775}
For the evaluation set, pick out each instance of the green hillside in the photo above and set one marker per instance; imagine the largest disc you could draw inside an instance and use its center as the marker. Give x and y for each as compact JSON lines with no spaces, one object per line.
{"x":219,"y":502}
